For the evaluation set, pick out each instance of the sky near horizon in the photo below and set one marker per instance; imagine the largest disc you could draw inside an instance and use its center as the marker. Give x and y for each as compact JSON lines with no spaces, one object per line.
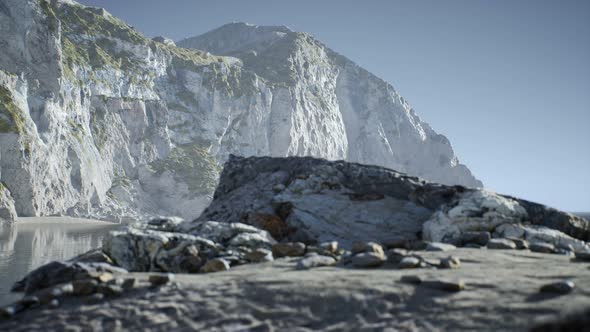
{"x":508,"y":82}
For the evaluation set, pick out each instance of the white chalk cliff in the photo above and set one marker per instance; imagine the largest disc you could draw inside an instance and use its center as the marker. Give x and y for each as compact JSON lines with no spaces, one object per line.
{"x":97,"y":120}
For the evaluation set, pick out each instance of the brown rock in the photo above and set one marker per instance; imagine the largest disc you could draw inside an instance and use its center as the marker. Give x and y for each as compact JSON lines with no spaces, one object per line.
{"x":288,"y":249}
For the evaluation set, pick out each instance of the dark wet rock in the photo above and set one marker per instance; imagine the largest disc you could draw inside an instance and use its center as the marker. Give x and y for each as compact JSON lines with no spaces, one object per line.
{"x":438,"y":246}
{"x":479,"y":238}
{"x":315,"y":261}
{"x":94,"y":298}
{"x":472,"y":246}
{"x":84,"y":287}
{"x":542,"y":247}
{"x":559,"y":287}
{"x":92,"y":256}
{"x":160,"y":279}
{"x":368,"y":259}
{"x":110,"y":290}
{"x":215,"y":265}
{"x":450,"y":262}
{"x":396,"y":255}
{"x":128,"y":283}
{"x":289,"y":249}
{"x":501,"y":244}
{"x":583,"y":255}
{"x":578,"y":321}
{"x":445,"y":285}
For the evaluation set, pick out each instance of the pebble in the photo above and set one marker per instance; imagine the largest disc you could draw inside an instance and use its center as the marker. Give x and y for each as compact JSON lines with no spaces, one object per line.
{"x":501,"y":244}
{"x":542,"y":247}
{"x":450,"y":262}
{"x":289,"y":249}
{"x":480,"y":238}
{"x":259,"y":255}
{"x":445,"y":285}
{"x":360,"y":247}
{"x":560,"y":287}
{"x":439,"y":246}
{"x":409,"y":262}
{"x":315,"y":261}
{"x":368,"y":259}
{"x":160,"y":279}
{"x":396,"y":255}
{"x":215,"y":265}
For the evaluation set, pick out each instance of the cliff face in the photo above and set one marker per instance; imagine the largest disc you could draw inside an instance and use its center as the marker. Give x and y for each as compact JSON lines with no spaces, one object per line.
{"x":98,"y":121}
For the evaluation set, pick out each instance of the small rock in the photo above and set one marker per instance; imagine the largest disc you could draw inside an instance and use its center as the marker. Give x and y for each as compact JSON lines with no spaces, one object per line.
{"x":315,"y":261}
{"x":368,"y":259}
{"x":94,"y":298}
{"x":450,"y":262}
{"x":84,"y":287}
{"x":438,"y":246}
{"x":542,"y":247}
{"x":501,"y":244}
{"x":359,"y":247}
{"x":128,"y":283}
{"x":330,"y":247}
{"x":409,"y":262}
{"x":396,"y":255}
{"x":54,"y":303}
{"x":480,"y":238}
{"x":444,"y":285}
{"x":160,"y":279}
{"x":414,"y":280}
{"x":259,"y":255}
{"x":583,"y":255}
{"x":560,"y":287}
{"x":215,"y":265}
{"x":289,"y":249}
{"x":109,"y":290}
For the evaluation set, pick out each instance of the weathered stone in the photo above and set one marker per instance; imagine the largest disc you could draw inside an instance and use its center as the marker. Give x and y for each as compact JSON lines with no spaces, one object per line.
{"x":396,"y":255}
{"x":542,"y":247}
{"x":315,"y":261}
{"x":520,"y":243}
{"x":84,"y":287}
{"x":501,"y":244}
{"x":450,"y":262}
{"x":445,"y":285}
{"x":559,"y":287}
{"x":411,"y":279}
{"x":215,"y":265}
{"x":540,"y":233}
{"x":360,"y":247}
{"x":409,"y":262}
{"x":368,"y":259}
{"x":93,"y":256}
{"x":259,"y":255}
{"x":128,"y":283}
{"x":289,"y":249}
{"x":105,"y":277}
{"x":583,"y":255}
{"x":438,"y":246}
{"x":160,"y":279}
{"x":330,"y":247}
{"x":480,"y":238}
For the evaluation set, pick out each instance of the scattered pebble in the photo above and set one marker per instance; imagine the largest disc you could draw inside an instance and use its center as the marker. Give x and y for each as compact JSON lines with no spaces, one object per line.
{"x":409,"y":262}
{"x":450,"y":262}
{"x":215,"y":265}
{"x":439,"y":246}
{"x":289,"y":249}
{"x":501,"y":244}
{"x":542,"y":247}
{"x":368,"y":259}
{"x":560,"y":287}
{"x":160,"y":279}
{"x":315,"y":261}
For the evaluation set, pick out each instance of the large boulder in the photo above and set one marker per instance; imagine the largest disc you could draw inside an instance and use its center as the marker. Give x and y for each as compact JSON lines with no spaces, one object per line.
{"x":314,"y":200}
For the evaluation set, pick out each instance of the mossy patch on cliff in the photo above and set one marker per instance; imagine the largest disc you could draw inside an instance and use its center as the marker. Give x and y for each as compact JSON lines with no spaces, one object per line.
{"x":11,"y":119}
{"x":191,"y":164}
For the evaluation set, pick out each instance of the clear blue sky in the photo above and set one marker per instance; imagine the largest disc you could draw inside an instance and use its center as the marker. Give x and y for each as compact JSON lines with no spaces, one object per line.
{"x":507,"y":81}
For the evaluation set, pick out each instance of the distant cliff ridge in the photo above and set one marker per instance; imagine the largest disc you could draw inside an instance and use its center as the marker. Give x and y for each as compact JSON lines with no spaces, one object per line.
{"x":97,"y":120}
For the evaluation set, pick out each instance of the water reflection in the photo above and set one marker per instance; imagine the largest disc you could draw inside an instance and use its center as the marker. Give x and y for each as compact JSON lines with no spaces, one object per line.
{"x":33,"y":242}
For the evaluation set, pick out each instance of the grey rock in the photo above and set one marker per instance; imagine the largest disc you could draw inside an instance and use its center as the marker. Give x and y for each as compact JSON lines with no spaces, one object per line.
{"x":110,"y":290}
{"x":29,"y":301}
{"x":330,"y":247}
{"x":445,"y":285}
{"x":542,"y":247}
{"x":438,"y":246}
{"x":95,"y":298}
{"x":501,"y":244}
{"x":54,"y":303}
{"x":559,"y":287}
{"x":520,"y":243}
{"x":367,"y":247}
{"x":84,"y":287}
{"x":128,"y":283}
{"x":472,"y":246}
{"x":215,"y":265}
{"x":450,"y":262}
{"x":259,"y":255}
{"x":290,"y":249}
{"x":315,"y":261}
{"x":368,"y":259}
{"x":396,"y":255}
{"x":583,"y":255}
{"x":409,"y":262}
{"x":480,"y":238}
{"x":160,"y":279}
{"x":411,"y":279}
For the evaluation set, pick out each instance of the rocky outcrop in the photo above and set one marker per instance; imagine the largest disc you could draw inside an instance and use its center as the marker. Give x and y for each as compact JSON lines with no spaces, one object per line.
{"x":97,"y":120}
{"x":315,"y":200}
{"x":7,"y":210}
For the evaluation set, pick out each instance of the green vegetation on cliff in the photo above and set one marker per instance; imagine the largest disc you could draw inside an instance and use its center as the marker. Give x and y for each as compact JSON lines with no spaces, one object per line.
{"x":11,"y":119}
